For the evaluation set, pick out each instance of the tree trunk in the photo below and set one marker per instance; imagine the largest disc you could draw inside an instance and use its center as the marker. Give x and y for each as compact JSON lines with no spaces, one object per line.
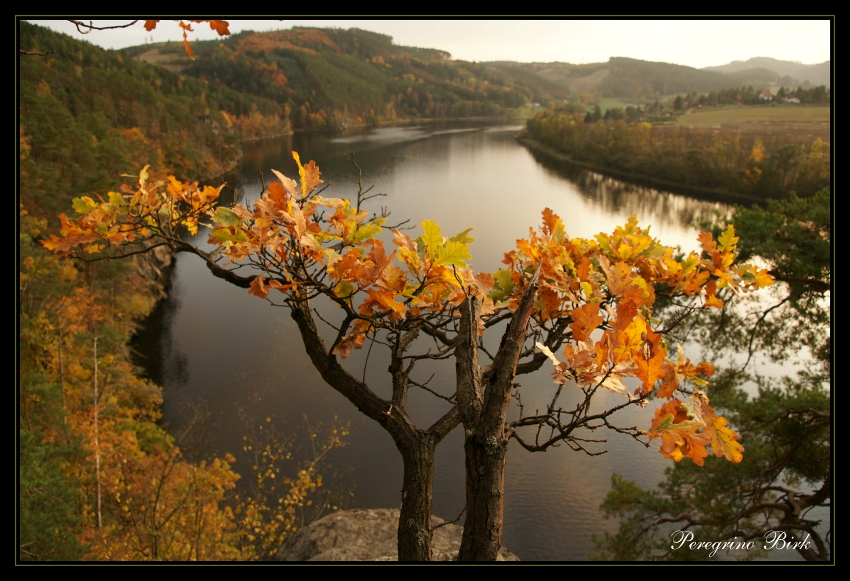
{"x":414,"y":525}
{"x":416,"y":446}
{"x":483,"y":399}
{"x":485,"y":499}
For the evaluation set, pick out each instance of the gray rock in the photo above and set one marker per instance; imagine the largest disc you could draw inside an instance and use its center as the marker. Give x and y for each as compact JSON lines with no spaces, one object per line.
{"x":367,"y":535}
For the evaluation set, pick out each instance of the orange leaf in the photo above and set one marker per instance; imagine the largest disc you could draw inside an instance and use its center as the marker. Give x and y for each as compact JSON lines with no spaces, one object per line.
{"x":403,"y":240}
{"x":695,"y":281}
{"x":150,"y":24}
{"x":220,"y":26}
{"x":763,"y":279}
{"x":724,"y":441}
{"x":707,"y":241}
{"x":550,"y":221}
{"x":603,"y":350}
{"x":678,"y":433}
{"x":279,"y":286}
{"x":258,"y":288}
{"x":630,"y":340}
{"x":349,"y":268}
{"x":353,"y":340}
{"x":650,"y":366}
{"x":386,"y":300}
{"x":312,"y":173}
{"x":670,"y":383}
{"x":583,"y":269}
{"x":619,"y":276}
{"x":637,"y":294}
{"x":585,"y":320}
{"x":550,"y":302}
{"x":300,"y":220}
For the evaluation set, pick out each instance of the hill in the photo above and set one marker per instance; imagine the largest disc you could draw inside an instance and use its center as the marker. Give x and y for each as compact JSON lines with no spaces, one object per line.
{"x":336,"y":77}
{"x":88,"y":115}
{"x":818,"y":74}
{"x":623,"y":77}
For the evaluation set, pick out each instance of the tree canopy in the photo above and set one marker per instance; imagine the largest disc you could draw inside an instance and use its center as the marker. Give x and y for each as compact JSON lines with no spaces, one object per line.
{"x":590,"y":300}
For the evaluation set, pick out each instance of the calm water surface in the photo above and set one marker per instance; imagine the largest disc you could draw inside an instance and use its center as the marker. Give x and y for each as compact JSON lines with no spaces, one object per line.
{"x":219,"y":347}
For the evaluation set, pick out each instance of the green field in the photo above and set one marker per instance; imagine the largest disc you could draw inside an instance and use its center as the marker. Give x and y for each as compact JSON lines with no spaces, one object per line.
{"x":526,"y":112}
{"x":612,"y":103}
{"x":758,"y":114}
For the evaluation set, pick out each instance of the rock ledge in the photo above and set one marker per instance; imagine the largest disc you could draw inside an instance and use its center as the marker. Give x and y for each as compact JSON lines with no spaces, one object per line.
{"x":366,"y":535}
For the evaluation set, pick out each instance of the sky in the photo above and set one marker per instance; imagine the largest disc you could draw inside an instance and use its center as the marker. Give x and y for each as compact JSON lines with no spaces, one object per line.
{"x":694,"y":42}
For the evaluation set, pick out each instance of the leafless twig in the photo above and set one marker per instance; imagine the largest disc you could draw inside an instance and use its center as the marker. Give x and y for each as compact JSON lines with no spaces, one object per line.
{"x":84,"y":28}
{"x":448,"y":522}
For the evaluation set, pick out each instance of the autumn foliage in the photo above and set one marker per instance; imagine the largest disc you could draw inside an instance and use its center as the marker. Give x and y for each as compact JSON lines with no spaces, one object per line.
{"x":99,"y":480}
{"x":600,"y":291}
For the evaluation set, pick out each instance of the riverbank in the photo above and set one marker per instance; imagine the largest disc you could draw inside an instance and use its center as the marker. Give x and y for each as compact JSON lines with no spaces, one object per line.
{"x":706,"y":194}
{"x":408,"y":121}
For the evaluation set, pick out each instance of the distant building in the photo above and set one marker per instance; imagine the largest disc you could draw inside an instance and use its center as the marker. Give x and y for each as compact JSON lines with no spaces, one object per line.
{"x":766,"y":96}
{"x":792,"y":100}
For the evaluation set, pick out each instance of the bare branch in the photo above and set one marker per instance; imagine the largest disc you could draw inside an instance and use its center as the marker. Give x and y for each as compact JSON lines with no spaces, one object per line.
{"x":84,"y":28}
{"x":366,"y":363}
{"x":450,"y":398}
{"x":448,"y":522}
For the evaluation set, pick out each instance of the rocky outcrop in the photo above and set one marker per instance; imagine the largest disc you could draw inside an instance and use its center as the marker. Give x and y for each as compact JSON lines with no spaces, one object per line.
{"x":155,"y":266}
{"x":367,"y":535}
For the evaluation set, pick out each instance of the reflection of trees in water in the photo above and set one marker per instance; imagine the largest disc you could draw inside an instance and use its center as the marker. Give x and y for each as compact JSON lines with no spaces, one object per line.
{"x":257,"y":152}
{"x":379,"y":150}
{"x":154,"y":351}
{"x":617,"y":196}
{"x":152,"y":345}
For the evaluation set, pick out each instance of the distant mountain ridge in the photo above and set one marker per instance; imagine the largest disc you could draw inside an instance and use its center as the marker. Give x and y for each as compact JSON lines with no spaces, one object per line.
{"x":624,"y":77}
{"x":817,"y":74}
{"x":336,"y":77}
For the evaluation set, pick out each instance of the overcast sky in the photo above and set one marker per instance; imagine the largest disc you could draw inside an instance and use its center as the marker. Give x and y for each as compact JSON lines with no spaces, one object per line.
{"x":696,"y":43}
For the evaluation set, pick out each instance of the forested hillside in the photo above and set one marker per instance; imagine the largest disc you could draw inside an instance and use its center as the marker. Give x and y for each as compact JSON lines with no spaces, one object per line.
{"x":88,"y":115}
{"x":98,"y":478}
{"x":336,"y":77}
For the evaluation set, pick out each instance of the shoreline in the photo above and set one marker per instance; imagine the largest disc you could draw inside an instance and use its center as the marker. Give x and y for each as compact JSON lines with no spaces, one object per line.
{"x":706,"y":194}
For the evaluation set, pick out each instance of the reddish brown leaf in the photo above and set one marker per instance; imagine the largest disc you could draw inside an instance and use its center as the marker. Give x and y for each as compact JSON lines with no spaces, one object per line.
{"x":258,"y":288}
{"x":550,"y":221}
{"x":585,"y":320}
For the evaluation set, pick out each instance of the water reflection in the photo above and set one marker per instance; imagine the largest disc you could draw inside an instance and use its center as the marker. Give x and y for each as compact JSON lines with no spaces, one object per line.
{"x":154,"y":348}
{"x":241,"y":356}
{"x":653,"y":205}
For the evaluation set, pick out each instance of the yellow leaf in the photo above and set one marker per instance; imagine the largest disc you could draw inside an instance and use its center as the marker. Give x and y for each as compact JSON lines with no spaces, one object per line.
{"x":728,"y":240}
{"x":724,"y":441}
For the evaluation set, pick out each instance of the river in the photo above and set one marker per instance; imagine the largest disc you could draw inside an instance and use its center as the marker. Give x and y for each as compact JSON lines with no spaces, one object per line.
{"x":213,"y":345}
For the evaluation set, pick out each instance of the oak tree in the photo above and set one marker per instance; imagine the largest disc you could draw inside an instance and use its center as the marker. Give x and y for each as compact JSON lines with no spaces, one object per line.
{"x":586,"y":305}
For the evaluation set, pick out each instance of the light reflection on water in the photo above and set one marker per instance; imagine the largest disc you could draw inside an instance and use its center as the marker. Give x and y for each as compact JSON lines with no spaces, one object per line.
{"x":222,"y":346}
